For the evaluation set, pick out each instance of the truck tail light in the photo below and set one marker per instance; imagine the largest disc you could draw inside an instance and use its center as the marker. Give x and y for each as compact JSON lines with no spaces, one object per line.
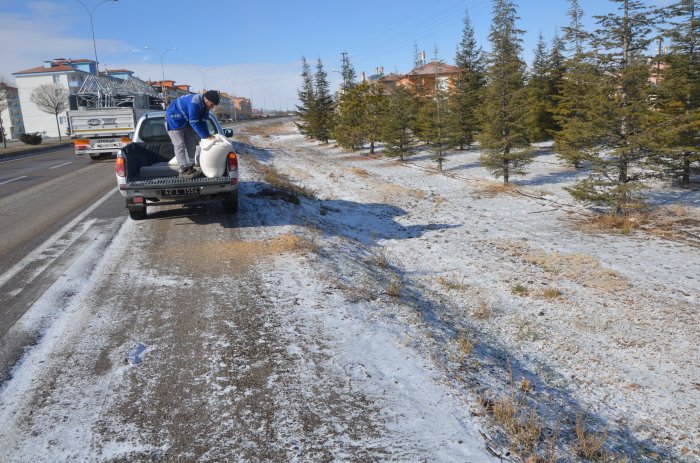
{"x":81,"y":144}
{"x":126,"y":140}
{"x":232,"y":162}
{"x":120,"y":167}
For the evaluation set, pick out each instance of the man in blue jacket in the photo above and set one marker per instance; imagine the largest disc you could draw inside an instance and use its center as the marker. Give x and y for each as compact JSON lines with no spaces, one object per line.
{"x":186,"y":122}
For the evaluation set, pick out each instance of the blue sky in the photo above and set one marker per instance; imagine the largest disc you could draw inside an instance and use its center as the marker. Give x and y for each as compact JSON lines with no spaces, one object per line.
{"x":254,"y":47}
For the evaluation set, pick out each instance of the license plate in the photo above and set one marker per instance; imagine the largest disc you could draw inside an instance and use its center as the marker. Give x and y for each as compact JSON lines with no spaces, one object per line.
{"x":107,"y":143}
{"x":180,"y":192}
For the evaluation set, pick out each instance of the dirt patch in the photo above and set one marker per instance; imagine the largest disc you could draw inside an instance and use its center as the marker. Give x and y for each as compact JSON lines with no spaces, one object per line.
{"x":271,"y":128}
{"x":239,"y":255}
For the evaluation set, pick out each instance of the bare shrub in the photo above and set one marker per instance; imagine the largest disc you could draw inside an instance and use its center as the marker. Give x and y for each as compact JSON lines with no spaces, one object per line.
{"x":520,"y":290}
{"x":466,"y":347}
{"x":451,"y":284}
{"x":551,"y":293}
{"x":589,"y":444}
{"x":394,"y":288}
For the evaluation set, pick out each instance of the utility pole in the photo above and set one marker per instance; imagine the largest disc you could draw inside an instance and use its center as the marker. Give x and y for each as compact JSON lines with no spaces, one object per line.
{"x":345,"y":66}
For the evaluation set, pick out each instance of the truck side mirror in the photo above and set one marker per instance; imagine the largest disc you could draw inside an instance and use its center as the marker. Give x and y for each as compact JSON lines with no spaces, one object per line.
{"x":228,"y":133}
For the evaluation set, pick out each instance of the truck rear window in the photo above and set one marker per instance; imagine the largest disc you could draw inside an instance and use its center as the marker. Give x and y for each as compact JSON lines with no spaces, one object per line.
{"x":153,"y":131}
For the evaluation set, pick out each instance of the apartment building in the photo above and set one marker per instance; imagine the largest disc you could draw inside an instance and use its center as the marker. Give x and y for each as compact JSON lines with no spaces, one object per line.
{"x":12,"y":123}
{"x":67,"y":73}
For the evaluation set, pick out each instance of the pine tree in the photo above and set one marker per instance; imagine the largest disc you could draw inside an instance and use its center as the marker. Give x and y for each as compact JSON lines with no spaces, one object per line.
{"x":307,"y":101}
{"x":503,"y":134}
{"x":574,"y":33}
{"x":581,"y":97}
{"x":324,"y":110}
{"x":539,"y":95}
{"x":376,"y":112}
{"x":350,"y":129}
{"x":626,"y":121}
{"x":396,"y":130}
{"x":556,"y":69}
{"x":463,"y":122}
{"x":678,"y":135}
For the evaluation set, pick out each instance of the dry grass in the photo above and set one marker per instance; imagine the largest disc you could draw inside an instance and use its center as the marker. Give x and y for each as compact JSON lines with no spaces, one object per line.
{"x":360,"y":172}
{"x":452,"y":284}
{"x":283,"y":182}
{"x":493,"y":189}
{"x":520,"y":290}
{"x":589,"y":444}
{"x":551,"y":293}
{"x":466,"y":347}
{"x":580,"y":268}
{"x":379,"y":259}
{"x":522,"y":424}
{"x":394,"y":288}
{"x":482,"y":310}
{"x":677,"y":222}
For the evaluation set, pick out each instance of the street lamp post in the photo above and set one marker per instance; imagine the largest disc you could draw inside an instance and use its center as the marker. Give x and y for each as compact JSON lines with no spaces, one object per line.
{"x":92,"y":28}
{"x":204,"y":77}
{"x":162,"y":70}
{"x":251,"y":99}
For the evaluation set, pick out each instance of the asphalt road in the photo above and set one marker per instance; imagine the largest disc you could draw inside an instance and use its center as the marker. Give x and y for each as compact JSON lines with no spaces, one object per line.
{"x":50,"y":204}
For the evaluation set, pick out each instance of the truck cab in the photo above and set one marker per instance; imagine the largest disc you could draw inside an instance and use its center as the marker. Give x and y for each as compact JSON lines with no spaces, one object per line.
{"x":148,"y":176}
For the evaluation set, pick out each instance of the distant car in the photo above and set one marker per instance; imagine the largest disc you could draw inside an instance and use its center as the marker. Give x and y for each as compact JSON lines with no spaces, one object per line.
{"x":145,"y":175}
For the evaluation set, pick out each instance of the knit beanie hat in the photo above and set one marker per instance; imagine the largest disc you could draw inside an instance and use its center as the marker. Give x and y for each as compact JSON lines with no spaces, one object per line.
{"x":212,"y":95}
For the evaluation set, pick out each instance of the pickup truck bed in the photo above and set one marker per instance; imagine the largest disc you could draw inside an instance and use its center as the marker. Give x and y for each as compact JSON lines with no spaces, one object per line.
{"x":150,"y":177}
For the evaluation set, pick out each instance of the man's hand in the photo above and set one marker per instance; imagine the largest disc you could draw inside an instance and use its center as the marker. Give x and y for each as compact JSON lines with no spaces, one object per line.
{"x":210,"y":137}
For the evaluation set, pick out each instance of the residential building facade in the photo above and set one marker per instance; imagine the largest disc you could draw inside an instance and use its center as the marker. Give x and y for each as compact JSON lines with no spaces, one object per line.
{"x":66,"y":73}
{"x":12,"y":122}
{"x":423,"y":78}
{"x":244,"y":108}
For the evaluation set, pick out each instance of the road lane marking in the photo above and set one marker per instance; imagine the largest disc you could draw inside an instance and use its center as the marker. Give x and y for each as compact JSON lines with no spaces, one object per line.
{"x":32,"y":256}
{"x":14,"y":179}
{"x":45,"y":153}
{"x":61,"y":165}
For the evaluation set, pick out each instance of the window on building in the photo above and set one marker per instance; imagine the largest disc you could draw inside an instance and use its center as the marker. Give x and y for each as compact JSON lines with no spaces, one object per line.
{"x":56,"y":79}
{"x":442,"y":83}
{"x":62,"y":120}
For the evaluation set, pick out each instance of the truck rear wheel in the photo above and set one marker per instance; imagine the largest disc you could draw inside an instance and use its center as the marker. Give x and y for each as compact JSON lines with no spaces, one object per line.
{"x":137,"y":213}
{"x":230,"y":202}
{"x":95,"y":157}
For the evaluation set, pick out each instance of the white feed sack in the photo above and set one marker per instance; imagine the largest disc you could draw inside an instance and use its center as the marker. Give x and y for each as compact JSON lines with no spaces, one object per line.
{"x":212,"y":155}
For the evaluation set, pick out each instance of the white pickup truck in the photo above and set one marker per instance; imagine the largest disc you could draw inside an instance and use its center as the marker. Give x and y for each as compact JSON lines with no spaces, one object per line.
{"x":146,"y":175}
{"x":101,"y":132}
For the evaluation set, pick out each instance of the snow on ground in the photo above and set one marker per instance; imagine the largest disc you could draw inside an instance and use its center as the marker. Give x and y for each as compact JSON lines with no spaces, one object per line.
{"x":614,"y":338}
{"x":371,"y":322}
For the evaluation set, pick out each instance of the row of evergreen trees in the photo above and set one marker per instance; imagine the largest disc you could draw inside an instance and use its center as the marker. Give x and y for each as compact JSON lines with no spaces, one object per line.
{"x":609,"y":106}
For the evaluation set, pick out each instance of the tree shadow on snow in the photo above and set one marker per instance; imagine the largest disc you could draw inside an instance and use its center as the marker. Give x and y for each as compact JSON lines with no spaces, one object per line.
{"x":363,"y":222}
{"x":566,"y":176}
